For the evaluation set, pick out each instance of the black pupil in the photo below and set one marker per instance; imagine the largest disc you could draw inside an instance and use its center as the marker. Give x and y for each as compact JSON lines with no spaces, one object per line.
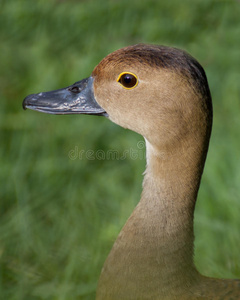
{"x":128,"y":80}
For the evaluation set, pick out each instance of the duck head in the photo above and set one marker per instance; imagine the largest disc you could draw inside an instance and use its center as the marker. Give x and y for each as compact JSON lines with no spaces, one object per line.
{"x":160,"y":92}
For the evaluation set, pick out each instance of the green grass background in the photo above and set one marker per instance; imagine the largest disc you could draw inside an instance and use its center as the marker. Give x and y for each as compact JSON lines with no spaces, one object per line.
{"x":59,"y":215}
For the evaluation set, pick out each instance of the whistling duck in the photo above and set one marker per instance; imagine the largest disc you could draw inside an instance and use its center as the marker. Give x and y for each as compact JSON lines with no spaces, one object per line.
{"x":161,"y":93}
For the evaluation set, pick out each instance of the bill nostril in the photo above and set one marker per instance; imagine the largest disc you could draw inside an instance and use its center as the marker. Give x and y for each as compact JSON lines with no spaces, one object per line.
{"x":74,"y":89}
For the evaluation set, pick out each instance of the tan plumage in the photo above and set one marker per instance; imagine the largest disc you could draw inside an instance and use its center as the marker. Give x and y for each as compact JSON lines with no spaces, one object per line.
{"x":169,"y":103}
{"x":152,"y":257}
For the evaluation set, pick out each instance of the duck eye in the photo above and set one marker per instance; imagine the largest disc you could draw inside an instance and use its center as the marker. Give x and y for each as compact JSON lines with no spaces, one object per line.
{"x":128,"y":80}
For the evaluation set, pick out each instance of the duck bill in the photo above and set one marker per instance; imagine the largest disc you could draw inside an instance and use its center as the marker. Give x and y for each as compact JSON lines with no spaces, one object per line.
{"x":75,"y":99}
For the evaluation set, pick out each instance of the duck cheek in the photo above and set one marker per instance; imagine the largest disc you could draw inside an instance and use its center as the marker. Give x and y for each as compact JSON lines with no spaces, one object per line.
{"x":118,"y":118}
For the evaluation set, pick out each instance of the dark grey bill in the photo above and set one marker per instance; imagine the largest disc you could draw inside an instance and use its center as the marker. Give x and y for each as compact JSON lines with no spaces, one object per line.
{"x":75,"y":99}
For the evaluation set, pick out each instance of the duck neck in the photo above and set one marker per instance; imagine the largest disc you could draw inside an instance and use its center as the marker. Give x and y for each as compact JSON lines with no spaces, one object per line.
{"x":168,"y":199}
{"x":171,"y":184}
{"x":155,"y":247}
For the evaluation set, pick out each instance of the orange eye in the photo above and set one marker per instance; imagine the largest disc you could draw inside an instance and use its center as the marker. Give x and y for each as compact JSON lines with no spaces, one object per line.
{"x":128,"y":80}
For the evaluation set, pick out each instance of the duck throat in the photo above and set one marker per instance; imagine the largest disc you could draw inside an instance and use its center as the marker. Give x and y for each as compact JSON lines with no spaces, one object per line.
{"x":152,"y":257}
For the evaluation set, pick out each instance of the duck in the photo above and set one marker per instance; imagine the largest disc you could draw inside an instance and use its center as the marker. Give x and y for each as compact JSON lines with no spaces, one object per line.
{"x":162,"y":93}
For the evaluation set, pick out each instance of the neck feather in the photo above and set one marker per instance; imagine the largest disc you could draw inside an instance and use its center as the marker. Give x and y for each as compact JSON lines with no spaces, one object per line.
{"x":155,"y":247}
